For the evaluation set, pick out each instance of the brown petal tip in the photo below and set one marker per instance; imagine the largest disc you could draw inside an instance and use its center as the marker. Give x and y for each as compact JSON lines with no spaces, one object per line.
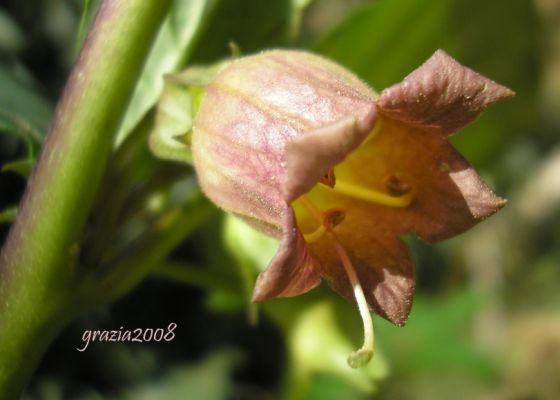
{"x":441,"y":94}
{"x":311,"y":156}
{"x":481,"y":201}
{"x":392,"y":297}
{"x":292,"y":271}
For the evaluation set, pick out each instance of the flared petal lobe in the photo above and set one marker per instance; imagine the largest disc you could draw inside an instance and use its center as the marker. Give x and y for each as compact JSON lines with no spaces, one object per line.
{"x":293,"y":270}
{"x":441,"y":94}
{"x":449,"y":196}
{"x":382,"y":263}
{"x":330,"y":145}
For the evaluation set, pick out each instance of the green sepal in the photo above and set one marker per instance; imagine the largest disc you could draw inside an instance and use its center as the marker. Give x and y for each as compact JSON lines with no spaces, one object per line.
{"x":182,"y":94}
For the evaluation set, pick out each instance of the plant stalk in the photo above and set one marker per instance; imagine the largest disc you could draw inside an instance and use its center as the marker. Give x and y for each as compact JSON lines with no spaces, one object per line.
{"x":38,"y":264}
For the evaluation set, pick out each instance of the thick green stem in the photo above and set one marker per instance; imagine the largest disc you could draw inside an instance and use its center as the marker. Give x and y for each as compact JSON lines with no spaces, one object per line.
{"x":38,"y":262}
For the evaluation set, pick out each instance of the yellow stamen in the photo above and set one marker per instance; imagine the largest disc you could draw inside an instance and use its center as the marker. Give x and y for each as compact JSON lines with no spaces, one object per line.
{"x":362,"y":356}
{"x":374,"y":196}
{"x":315,"y":235}
{"x":310,"y":207}
{"x":316,"y":214}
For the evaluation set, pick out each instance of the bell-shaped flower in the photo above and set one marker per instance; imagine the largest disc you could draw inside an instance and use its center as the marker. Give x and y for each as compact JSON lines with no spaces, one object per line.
{"x":304,"y":151}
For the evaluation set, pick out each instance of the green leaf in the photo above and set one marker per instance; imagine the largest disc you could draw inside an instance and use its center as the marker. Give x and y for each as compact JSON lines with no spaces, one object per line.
{"x":21,"y":167}
{"x":88,"y":13}
{"x":12,"y":38}
{"x":21,"y":128}
{"x":249,"y":244}
{"x":436,"y":337}
{"x":194,"y":275}
{"x":252,"y":250}
{"x":384,"y":41}
{"x":297,"y":9}
{"x":252,"y":24}
{"x":20,"y":104}
{"x":32,"y":138}
{"x":8,"y":215}
{"x":491,"y":37}
{"x":209,"y":379}
{"x":16,"y":119}
{"x":173,"y":48}
{"x":320,"y":347}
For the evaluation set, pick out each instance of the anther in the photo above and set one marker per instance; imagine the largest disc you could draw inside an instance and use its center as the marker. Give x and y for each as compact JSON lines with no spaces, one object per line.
{"x":374,"y":196}
{"x":331,"y":218}
{"x":328,"y":179}
{"x":396,"y":186}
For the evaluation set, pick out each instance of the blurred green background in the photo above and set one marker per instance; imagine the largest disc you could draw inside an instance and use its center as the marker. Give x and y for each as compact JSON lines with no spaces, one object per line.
{"x":486,"y":318}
